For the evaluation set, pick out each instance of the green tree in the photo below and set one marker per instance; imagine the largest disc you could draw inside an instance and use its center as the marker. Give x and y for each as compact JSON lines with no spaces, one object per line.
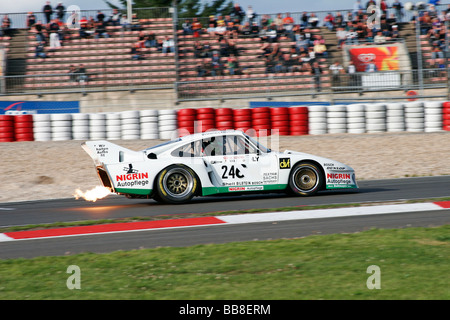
{"x":186,"y":8}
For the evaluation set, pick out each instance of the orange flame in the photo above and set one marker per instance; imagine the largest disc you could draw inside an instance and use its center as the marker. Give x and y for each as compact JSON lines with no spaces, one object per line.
{"x":93,"y":194}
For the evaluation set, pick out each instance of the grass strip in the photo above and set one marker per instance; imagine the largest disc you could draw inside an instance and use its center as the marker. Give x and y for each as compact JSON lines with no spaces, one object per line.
{"x":413,"y":263}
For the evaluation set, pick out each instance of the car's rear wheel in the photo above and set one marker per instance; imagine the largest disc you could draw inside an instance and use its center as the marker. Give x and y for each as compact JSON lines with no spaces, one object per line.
{"x":306,"y":179}
{"x":176,"y":184}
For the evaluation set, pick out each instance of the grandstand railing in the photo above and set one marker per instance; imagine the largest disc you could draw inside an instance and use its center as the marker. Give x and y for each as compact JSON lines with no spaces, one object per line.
{"x":277,"y":85}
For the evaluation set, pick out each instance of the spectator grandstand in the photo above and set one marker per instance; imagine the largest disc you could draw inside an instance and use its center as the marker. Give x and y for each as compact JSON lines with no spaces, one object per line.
{"x":257,"y":54}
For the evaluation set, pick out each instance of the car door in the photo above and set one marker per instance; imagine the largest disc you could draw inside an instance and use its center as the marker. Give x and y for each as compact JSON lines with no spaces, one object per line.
{"x":239,"y":164}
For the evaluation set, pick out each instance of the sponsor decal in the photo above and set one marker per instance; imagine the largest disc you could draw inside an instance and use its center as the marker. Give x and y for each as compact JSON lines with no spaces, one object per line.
{"x":252,"y":188}
{"x":339,"y":178}
{"x":285,"y":163}
{"x":132,"y":176}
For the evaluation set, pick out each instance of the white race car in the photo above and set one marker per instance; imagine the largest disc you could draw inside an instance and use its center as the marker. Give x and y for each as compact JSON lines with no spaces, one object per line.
{"x":211,"y":163}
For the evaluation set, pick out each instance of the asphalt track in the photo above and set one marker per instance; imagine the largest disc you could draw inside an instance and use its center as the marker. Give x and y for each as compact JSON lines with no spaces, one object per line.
{"x":35,"y":212}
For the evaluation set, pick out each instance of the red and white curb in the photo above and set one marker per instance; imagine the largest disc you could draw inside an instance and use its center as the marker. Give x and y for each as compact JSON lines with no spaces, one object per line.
{"x":222,"y":220}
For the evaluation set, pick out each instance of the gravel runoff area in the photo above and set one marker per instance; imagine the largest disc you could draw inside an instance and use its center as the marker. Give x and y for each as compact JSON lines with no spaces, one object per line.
{"x":51,"y":170}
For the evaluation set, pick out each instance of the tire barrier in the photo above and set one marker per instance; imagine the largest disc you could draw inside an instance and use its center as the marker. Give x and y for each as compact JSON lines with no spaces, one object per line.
{"x":149,"y":124}
{"x":446,"y":116}
{"x":42,"y":127}
{"x":395,"y":117}
{"x":61,"y":124}
{"x":167,"y":124}
{"x":80,"y":126}
{"x":413,"y":116}
{"x":337,"y":119}
{"x":224,"y":118}
{"x":130,"y":125}
{"x":433,"y":116}
{"x":7,"y":128}
{"x":298,"y":124}
{"x":317,"y":120}
{"x":356,"y":118}
{"x":23,"y":127}
{"x":186,"y":121}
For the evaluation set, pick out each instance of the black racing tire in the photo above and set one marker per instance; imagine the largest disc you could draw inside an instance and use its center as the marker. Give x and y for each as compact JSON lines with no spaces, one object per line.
{"x":306,"y":179}
{"x":176,"y":184}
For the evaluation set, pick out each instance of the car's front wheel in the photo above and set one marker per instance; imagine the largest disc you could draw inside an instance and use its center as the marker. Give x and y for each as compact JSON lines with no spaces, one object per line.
{"x":176,"y":184}
{"x":305,"y":179}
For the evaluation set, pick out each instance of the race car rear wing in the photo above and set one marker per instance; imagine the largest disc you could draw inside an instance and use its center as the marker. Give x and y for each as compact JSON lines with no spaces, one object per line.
{"x":104,"y":152}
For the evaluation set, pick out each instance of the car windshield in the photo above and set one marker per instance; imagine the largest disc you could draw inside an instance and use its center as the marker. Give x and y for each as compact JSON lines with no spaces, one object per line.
{"x":261,"y":148}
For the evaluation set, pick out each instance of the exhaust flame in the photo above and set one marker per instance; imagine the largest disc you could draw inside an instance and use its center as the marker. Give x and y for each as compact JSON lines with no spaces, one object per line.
{"x":93,"y":194}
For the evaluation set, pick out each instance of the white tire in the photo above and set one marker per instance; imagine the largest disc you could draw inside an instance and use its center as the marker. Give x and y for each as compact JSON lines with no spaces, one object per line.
{"x":61,"y":117}
{"x":41,"y":117}
{"x":148,"y":113}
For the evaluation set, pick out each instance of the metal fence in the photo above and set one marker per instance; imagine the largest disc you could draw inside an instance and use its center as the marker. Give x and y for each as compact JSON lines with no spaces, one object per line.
{"x":270,"y":85}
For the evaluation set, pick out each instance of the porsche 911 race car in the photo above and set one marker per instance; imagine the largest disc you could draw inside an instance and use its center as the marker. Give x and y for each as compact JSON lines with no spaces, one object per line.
{"x":212,"y":163}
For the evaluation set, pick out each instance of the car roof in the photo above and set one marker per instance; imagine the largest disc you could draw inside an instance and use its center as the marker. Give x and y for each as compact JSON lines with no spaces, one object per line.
{"x":208,"y":134}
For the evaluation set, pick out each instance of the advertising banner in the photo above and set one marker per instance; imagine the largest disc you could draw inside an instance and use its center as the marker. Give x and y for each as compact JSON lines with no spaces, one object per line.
{"x":33,"y":107}
{"x":386,"y":58}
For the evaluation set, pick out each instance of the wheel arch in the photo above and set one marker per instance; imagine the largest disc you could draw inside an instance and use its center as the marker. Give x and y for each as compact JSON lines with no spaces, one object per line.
{"x":310,"y":161}
{"x":198,"y":190}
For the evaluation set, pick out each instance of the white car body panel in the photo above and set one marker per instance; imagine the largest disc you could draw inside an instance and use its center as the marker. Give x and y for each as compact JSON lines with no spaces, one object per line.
{"x":133,"y":173}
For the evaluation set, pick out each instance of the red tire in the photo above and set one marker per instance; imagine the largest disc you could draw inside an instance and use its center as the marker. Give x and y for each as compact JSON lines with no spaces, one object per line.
{"x":7,"y":135}
{"x":206,"y":111}
{"x":25,"y":137}
{"x":283,"y":117}
{"x":186,"y":118}
{"x":23,"y":130}
{"x":6,"y":129}
{"x":208,"y":122}
{"x":298,"y":116}
{"x":23,"y":118}
{"x":183,"y":124}
{"x":242,"y":112}
{"x":261,"y":110}
{"x":205,"y":116}
{"x":224,"y":112}
{"x":186,"y":112}
{"x":224,"y":118}
{"x":298,"y":110}
{"x":6,"y":124}
{"x":6,"y":117}
{"x":7,"y":140}
{"x":261,"y":122}
{"x":261,"y":115}
{"x":279,"y":111}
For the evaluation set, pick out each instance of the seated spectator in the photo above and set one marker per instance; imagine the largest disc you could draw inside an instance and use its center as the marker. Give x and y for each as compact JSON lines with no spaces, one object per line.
{"x":72,"y":73}
{"x":336,"y":70}
{"x":150,"y":40}
{"x":288,"y":26}
{"x":187,"y":27}
{"x":84,"y":31}
{"x":255,"y":29}
{"x":221,"y":30}
{"x":232,"y":66}
{"x":211,"y":30}
{"x":31,"y":20}
{"x":198,"y":50}
{"x":197,"y":28}
{"x":135,"y":23}
{"x":320,"y":50}
{"x":100,"y":16}
{"x":100,"y":30}
{"x":168,"y":45}
{"x":304,"y":20}
{"x":136,"y":52}
{"x":232,"y":30}
{"x":328,"y":21}
{"x":82,"y":74}
{"x":6,"y":26}
{"x":201,"y":70}
{"x":379,"y":38}
{"x":313,"y":20}
{"x":217,"y":66}
{"x":395,"y":33}
{"x":39,"y":51}
{"x":341,"y":35}
{"x":125,"y":23}
{"x":54,"y":40}
{"x":290,"y":62}
{"x":371,"y":67}
{"x":246,"y":29}
{"x":114,"y":18}
{"x":352,"y":37}
{"x":437,"y":56}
